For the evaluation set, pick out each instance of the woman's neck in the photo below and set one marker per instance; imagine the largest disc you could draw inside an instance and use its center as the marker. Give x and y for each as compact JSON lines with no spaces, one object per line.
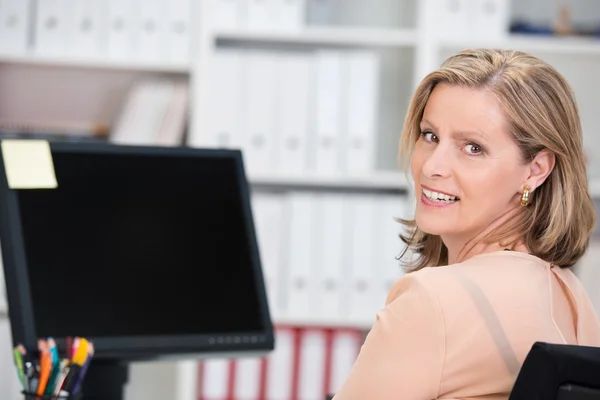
{"x":455,"y":249}
{"x":461,"y":248}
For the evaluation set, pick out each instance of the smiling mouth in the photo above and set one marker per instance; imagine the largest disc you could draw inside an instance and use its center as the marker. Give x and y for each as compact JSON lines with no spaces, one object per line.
{"x":440,"y":197}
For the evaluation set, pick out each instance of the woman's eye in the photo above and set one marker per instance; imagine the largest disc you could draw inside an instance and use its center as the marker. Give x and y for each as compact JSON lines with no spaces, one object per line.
{"x":473,"y":148}
{"x":429,"y":137}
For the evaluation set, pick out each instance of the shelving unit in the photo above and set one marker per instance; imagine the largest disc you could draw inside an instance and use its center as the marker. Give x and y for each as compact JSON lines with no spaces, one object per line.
{"x":98,"y":63}
{"x":372,"y":37}
{"x":534,"y":43}
{"x":327,"y":323}
{"x":381,"y":181}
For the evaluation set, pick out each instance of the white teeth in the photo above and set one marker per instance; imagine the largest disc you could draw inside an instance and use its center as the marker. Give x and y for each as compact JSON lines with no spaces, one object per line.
{"x":435,"y":196}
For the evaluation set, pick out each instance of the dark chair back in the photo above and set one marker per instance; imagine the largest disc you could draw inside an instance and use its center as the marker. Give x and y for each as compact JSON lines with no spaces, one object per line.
{"x":558,"y":371}
{"x":577,"y":392}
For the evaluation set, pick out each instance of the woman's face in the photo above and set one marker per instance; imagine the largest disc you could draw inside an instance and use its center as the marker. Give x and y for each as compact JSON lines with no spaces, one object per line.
{"x":467,"y":168}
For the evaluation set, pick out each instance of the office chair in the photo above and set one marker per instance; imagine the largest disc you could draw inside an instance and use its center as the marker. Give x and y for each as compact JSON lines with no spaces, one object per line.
{"x":559,"y":372}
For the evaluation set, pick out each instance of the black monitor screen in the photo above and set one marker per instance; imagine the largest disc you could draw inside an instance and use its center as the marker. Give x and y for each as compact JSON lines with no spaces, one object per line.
{"x":136,"y":245}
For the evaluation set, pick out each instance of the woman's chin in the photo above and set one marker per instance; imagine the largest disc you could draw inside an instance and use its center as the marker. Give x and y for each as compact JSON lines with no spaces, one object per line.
{"x":434,"y":227}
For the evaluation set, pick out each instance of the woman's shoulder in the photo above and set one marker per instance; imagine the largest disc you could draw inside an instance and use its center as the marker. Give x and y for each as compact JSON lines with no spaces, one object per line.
{"x":491,"y":272}
{"x":494,"y":265}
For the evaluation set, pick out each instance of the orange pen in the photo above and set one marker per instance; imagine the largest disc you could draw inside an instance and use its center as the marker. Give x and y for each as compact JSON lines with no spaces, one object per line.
{"x":45,"y":366}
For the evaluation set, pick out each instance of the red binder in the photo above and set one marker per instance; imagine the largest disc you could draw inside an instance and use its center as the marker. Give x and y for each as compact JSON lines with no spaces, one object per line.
{"x":307,"y":364}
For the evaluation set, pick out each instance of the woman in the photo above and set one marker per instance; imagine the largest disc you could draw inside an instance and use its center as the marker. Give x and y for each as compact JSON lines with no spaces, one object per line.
{"x":503,"y":211}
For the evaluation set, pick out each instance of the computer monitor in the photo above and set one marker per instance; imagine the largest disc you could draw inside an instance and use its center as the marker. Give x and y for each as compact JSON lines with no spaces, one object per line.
{"x":149,"y":252}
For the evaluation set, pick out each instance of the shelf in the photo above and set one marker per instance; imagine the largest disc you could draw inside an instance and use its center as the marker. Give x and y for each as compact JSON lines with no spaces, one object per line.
{"x":100,"y":63}
{"x":338,"y":323}
{"x":327,"y":36}
{"x":379,"y":181}
{"x":534,"y":43}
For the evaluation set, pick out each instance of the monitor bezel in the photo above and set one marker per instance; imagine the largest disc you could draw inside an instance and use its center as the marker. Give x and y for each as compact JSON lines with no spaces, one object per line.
{"x":20,"y":307}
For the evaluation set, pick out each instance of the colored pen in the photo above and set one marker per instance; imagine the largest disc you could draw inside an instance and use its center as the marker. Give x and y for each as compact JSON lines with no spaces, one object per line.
{"x":55,"y":368}
{"x":81,"y":355}
{"x":69,"y":382}
{"x":84,"y":369}
{"x":82,"y":352}
{"x":74,"y":347}
{"x":45,"y":366}
{"x":60,"y":380}
{"x":48,"y":374}
{"x":32,"y":374}
{"x":69,"y":346}
{"x":18,"y":356}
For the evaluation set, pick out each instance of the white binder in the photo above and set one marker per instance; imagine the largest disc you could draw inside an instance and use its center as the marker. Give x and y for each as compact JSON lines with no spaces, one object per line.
{"x":226,"y":14}
{"x":454,"y":19}
{"x":14,"y":26}
{"x":126,"y":127}
{"x":141,"y":119}
{"x":390,"y":246}
{"x":215,"y":378}
{"x":226,"y":96}
{"x":289,"y":15}
{"x":328,"y":92}
{"x":268,"y":210}
{"x":53,"y":18}
{"x":345,"y":348}
{"x":260,"y":15}
{"x":491,"y":19}
{"x":258,"y":119}
{"x":362,"y":105}
{"x":300,"y":276}
{"x":172,"y":127}
{"x":149,"y":31}
{"x":293,"y":94}
{"x":177,"y":31}
{"x":247,"y":378}
{"x":363,"y":303}
{"x":121,"y":24}
{"x":330,"y":231}
{"x":280,"y":363}
{"x":88,"y":29}
{"x":312,"y":364}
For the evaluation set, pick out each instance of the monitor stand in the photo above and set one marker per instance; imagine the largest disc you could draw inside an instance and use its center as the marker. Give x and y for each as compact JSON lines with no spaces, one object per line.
{"x":105,"y":379}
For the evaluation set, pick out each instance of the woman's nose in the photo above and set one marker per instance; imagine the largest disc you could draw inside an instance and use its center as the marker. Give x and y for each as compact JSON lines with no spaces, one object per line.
{"x":437,"y":163}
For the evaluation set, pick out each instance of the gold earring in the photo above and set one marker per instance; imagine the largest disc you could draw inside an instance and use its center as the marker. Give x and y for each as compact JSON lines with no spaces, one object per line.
{"x":525,"y":197}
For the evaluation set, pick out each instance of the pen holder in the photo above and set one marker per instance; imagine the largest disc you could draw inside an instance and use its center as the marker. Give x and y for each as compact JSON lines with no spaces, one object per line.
{"x":33,"y":396}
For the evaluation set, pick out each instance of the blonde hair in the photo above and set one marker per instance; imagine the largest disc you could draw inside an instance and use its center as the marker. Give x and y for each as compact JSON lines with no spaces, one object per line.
{"x":542,"y":114}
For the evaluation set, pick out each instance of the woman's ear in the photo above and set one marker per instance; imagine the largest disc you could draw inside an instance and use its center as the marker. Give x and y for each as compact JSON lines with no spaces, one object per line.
{"x":540,"y":167}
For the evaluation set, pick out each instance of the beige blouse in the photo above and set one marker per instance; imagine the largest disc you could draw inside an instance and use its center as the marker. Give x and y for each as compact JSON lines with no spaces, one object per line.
{"x":462,"y":331}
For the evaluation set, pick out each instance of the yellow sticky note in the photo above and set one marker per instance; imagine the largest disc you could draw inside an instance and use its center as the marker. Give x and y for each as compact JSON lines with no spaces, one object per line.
{"x":28,"y":164}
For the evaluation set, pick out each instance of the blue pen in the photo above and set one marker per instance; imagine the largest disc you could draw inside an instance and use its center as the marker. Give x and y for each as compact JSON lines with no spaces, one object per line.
{"x":83,"y":370}
{"x":54,"y":351}
{"x":55,"y":366}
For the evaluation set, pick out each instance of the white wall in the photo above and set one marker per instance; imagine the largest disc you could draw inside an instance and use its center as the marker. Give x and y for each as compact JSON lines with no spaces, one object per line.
{"x":9,"y":383}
